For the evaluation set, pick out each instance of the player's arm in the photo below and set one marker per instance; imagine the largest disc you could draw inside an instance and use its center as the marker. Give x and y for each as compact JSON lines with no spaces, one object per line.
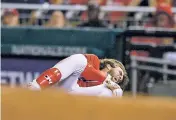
{"x":92,"y":70}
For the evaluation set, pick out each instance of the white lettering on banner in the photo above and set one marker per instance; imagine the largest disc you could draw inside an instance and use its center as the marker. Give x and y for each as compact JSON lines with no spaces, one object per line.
{"x":14,"y":77}
{"x":3,"y":80}
{"x":47,"y":50}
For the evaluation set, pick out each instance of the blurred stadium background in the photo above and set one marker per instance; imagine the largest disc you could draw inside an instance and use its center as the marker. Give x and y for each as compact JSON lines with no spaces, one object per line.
{"x":35,"y":34}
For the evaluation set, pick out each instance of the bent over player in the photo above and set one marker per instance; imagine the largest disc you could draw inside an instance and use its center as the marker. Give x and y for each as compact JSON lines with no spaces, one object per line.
{"x":101,"y":74}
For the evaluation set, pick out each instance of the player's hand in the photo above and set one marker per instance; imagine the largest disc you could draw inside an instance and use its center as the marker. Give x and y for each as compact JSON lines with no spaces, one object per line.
{"x":110,"y":84}
{"x":117,"y":92}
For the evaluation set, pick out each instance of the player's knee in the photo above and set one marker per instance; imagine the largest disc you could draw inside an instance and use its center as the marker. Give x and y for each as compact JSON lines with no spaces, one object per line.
{"x":79,"y":59}
{"x":73,"y":62}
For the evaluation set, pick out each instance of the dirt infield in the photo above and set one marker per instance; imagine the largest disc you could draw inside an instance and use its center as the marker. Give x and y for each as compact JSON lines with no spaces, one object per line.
{"x":20,"y":104}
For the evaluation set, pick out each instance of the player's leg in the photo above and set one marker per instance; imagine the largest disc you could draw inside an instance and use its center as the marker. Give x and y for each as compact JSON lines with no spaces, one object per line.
{"x":94,"y":90}
{"x":74,"y":64}
{"x":99,"y":90}
{"x":71,"y":82}
{"x":107,"y":92}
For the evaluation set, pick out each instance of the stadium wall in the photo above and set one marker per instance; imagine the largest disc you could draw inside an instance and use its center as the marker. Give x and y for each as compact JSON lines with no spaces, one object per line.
{"x":60,"y":42}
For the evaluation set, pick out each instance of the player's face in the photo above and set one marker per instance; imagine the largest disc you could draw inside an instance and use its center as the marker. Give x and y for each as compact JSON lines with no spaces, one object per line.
{"x":117,"y":74}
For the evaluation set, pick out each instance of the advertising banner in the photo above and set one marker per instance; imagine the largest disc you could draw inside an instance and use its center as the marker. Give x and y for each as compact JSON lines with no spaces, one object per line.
{"x":19,"y":71}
